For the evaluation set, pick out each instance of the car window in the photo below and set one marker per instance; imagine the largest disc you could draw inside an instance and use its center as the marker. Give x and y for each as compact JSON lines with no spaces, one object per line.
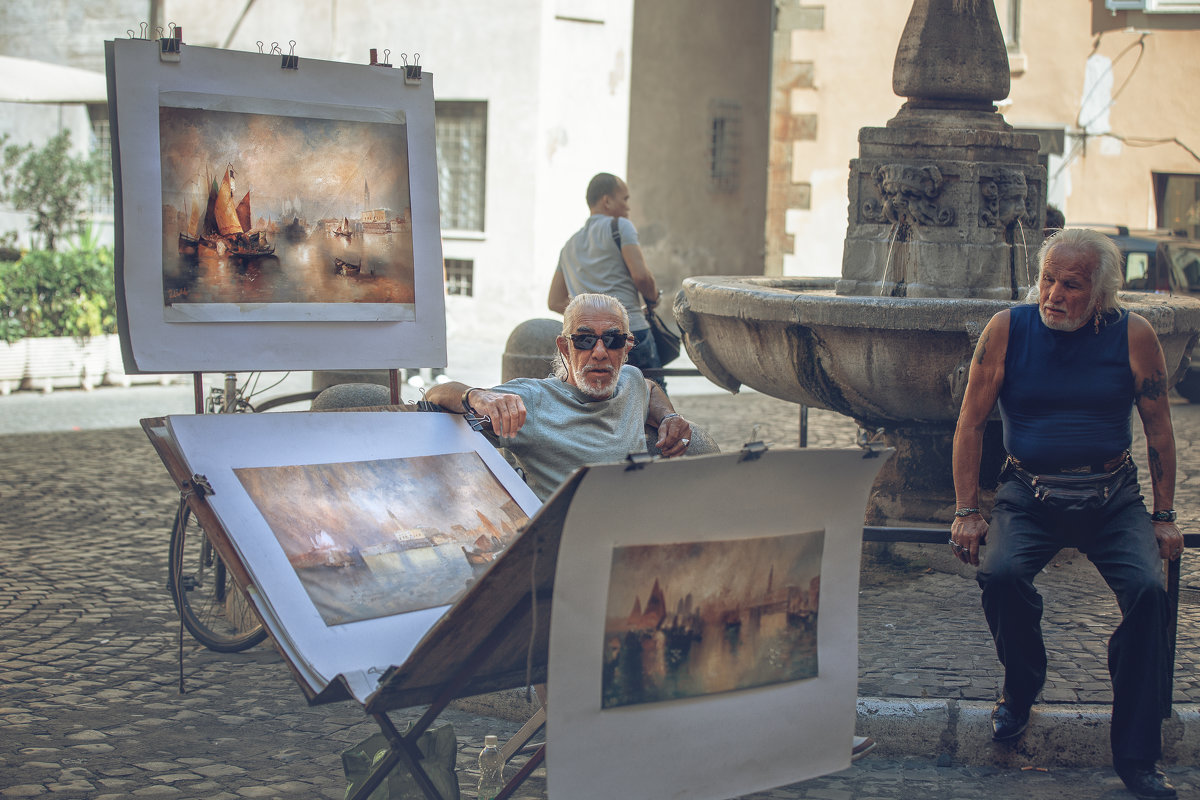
{"x":1137,"y":267}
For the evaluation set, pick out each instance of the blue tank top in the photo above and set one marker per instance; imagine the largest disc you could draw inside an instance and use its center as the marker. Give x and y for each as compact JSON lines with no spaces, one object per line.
{"x":1067,"y":397}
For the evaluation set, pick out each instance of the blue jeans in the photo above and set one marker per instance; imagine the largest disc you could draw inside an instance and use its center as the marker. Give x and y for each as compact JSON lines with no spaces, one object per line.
{"x":1118,"y":539}
{"x":644,"y":355}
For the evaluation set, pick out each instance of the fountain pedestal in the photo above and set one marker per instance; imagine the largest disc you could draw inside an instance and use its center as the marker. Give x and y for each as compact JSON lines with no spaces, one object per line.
{"x":947,"y":205}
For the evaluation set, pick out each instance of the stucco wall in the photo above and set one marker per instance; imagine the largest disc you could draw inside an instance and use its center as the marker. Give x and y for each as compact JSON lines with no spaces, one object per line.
{"x":835,"y":77}
{"x":687,"y":56}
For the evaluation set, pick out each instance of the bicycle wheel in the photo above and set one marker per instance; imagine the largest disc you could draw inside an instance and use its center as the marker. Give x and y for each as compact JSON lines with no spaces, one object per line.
{"x":201,"y":589}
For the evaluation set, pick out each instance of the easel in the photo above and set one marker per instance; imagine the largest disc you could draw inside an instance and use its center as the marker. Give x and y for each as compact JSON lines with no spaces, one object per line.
{"x":495,"y":637}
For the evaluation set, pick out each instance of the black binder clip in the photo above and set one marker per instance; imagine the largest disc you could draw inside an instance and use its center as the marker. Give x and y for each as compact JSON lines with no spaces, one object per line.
{"x":199,"y":486}
{"x":637,"y":461}
{"x":169,"y":46}
{"x":143,"y":32}
{"x":752,"y":450}
{"x":290,"y":60}
{"x":871,"y":442}
{"x":412,"y":72}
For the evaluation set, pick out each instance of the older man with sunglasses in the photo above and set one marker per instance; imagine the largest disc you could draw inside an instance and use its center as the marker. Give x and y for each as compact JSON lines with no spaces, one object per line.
{"x":594,"y":408}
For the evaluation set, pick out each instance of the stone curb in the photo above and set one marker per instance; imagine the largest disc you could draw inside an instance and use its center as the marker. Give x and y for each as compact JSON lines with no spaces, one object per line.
{"x":1059,"y":735}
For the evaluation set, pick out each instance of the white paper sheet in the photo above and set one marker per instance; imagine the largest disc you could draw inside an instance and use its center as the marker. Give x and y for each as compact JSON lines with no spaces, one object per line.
{"x":715,"y":745}
{"x":217,"y":445}
{"x":239,"y":336}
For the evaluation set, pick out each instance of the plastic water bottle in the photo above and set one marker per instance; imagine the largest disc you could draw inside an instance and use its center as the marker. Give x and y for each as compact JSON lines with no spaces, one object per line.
{"x":491,"y":769}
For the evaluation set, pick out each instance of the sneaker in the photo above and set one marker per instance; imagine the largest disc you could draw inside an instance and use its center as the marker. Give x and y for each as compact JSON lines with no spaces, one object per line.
{"x":860,"y":746}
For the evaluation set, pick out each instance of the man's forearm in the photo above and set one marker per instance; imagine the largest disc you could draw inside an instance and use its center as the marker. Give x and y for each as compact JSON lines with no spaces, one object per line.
{"x":659,"y":406}
{"x":1160,"y":457}
{"x":448,"y":395}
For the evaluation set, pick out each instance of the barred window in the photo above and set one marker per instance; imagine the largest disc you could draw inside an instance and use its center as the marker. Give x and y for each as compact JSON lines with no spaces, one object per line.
{"x":460,"y":277}
{"x":101,"y":199}
{"x":725,"y":132}
{"x":461,"y":131}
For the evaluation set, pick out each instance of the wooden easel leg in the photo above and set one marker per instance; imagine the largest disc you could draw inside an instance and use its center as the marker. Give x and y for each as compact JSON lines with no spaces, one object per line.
{"x":532,"y":726}
{"x":533,"y":763}
{"x":400,"y":748}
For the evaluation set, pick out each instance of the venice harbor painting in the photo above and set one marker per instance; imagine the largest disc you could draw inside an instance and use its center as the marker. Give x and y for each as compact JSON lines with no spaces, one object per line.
{"x":694,"y":619}
{"x":271,"y":209}
{"x":370,"y":539}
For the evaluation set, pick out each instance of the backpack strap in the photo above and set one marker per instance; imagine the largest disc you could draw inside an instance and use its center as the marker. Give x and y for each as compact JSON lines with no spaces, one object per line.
{"x":616,"y":233}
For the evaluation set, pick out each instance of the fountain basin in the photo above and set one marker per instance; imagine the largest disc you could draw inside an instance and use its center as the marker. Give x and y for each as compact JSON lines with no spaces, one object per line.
{"x":884,"y":361}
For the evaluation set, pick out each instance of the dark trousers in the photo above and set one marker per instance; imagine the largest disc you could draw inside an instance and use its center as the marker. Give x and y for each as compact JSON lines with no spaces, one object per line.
{"x":1119,"y":540}
{"x":644,"y":355}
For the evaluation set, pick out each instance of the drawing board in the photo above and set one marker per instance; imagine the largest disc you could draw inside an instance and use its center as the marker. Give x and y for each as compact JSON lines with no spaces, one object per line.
{"x":358,"y":530}
{"x":704,"y":631}
{"x":272,"y":218}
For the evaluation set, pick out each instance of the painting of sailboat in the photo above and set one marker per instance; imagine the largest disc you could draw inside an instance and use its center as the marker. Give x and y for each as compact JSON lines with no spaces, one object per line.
{"x":233,"y":185}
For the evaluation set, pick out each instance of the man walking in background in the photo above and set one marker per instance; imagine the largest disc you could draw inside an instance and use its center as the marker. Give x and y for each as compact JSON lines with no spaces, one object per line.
{"x":604,"y":257}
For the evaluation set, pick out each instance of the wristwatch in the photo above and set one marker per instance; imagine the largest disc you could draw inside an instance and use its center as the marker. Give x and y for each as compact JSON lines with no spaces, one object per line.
{"x":1163,"y":516}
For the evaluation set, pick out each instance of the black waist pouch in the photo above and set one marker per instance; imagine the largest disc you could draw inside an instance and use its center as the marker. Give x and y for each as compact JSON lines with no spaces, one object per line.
{"x":1065,"y":492}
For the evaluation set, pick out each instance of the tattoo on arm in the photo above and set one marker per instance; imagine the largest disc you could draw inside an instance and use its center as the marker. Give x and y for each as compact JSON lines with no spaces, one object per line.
{"x":1155,"y":464}
{"x":1153,"y":387}
{"x":981,"y":348}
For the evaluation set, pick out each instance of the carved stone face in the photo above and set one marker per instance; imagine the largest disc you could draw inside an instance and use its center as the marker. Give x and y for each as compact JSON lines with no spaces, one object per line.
{"x":1013,"y":192}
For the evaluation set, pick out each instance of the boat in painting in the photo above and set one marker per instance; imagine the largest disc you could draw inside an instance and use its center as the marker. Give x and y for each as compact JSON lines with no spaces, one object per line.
{"x":227,"y":228}
{"x":344,"y":228}
{"x":323,"y":552}
{"x":343,"y":267}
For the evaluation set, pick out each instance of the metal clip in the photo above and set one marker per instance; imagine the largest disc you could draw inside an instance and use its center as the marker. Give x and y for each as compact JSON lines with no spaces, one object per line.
{"x":290,"y":60}
{"x":638,"y":460}
{"x":412,"y":72}
{"x":198,"y":485}
{"x":752,"y":450}
{"x":169,"y":46}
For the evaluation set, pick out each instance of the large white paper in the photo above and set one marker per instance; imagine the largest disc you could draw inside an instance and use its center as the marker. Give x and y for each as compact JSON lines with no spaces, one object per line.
{"x":326,"y":640}
{"x":731,"y":741}
{"x":304,"y":146}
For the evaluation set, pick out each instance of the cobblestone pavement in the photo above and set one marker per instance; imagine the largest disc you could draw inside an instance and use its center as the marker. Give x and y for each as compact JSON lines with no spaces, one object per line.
{"x":89,"y":686}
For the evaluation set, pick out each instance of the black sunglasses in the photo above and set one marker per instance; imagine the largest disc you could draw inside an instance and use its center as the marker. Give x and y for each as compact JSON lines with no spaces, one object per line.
{"x":612,"y":340}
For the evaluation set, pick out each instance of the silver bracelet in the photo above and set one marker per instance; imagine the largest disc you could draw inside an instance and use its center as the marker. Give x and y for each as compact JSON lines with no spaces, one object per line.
{"x":667,"y":417}
{"x":966,"y":512}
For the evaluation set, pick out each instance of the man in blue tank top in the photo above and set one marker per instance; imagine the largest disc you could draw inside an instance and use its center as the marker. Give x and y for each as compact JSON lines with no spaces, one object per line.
{"x":1067,"y":373}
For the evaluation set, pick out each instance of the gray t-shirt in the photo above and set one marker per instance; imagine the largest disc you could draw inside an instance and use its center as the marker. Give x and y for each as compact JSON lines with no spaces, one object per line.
{"x":590,"y":261}
{"x":565,"y":429}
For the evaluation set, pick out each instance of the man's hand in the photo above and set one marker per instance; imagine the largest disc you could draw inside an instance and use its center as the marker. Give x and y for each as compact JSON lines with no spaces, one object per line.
{"x":674,"y":434}
{"x":966,"y":536}
{"x":506,"y":411}
{"x":1170,"y":540}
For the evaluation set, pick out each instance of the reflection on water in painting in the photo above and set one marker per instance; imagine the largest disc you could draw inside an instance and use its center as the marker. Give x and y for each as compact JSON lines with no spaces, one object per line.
{"x":692,"y":619}
{"x":315,"y":266}
{"x":382,"y":585}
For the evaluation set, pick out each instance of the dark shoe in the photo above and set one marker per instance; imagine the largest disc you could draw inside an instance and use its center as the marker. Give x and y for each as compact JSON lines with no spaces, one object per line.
{"x":1145,"y":780}
{"x":1008,"y":721}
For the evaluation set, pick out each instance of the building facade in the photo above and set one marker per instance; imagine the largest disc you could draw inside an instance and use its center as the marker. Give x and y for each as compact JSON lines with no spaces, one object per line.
{"x":1100,"y":81}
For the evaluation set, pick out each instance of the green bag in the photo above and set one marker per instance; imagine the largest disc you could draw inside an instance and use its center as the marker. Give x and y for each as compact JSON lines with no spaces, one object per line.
{"x":438,"y":745}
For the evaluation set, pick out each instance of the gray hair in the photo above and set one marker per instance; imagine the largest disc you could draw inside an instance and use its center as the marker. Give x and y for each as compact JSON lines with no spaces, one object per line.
{"x":1106,"y":278}
{"x":601,"y":185}
{"x":580,"y":303}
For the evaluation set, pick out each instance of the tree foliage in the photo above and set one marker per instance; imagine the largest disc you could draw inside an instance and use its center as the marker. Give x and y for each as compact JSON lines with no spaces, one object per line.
{"x":58,"y":294}
{"x":51,"y":185}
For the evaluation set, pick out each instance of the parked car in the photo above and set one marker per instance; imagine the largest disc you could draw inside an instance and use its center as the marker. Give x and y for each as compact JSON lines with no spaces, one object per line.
{"x":1161,"y":261}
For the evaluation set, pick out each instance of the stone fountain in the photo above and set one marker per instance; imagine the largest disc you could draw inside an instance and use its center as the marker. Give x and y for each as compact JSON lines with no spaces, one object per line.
{"x":947,"y":204}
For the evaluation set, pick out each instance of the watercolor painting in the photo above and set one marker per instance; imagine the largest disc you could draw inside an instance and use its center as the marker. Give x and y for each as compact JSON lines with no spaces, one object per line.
{"x":265,"y":208}
{"x":693,"y":619}
{"x":370,"y":539}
